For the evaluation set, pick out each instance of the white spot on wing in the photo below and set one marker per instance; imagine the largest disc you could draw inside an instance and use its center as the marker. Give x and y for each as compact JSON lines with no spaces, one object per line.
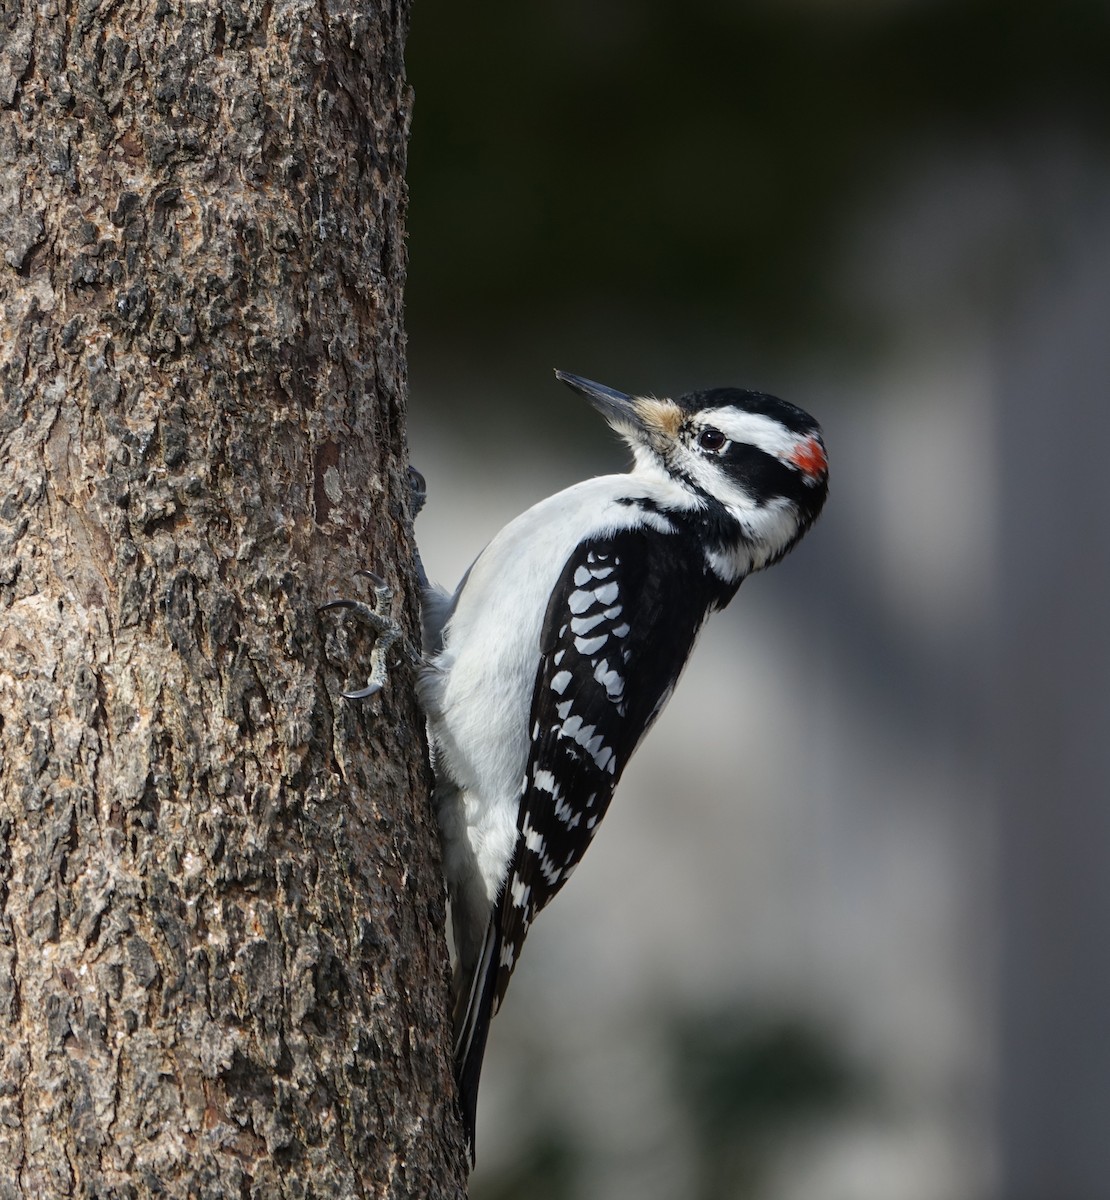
{"x":580,"y":601}
{"x":609,"y":679}
{"x":583,"y":736}
{"x":533,"y":839}
{"x":590,"y":645}
{"x":607,"y":593}
{"x":560,"y":682}
{"x":566,"y":814}
{"x":585,"y":624}
{"x":545,"y":781}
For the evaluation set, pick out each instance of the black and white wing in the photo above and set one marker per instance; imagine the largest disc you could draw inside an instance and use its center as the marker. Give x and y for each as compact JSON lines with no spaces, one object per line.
{"x":618,"y":630}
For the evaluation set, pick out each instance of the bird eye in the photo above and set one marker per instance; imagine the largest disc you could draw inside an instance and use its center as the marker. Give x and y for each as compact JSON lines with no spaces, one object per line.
{"x":711,"y":439}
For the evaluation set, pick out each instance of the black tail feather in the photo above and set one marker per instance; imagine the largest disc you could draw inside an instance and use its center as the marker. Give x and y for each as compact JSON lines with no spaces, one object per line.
{"x":472,"y":1028}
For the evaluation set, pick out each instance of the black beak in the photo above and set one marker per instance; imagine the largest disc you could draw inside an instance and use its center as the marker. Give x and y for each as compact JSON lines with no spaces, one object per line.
{"x":616,"y":407}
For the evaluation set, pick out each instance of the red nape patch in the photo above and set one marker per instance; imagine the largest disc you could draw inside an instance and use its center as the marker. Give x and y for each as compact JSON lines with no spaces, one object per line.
{"x":810,"y":457}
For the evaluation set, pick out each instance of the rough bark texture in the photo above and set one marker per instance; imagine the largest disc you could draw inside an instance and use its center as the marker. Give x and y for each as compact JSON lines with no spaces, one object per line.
{"x":222,"y":970}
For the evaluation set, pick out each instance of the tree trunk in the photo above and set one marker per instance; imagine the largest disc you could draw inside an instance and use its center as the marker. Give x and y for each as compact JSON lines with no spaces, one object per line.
{"x":222,"y":969}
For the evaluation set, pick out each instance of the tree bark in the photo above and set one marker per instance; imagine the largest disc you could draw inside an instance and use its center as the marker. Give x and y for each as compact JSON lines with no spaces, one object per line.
{"x":222,"y":969}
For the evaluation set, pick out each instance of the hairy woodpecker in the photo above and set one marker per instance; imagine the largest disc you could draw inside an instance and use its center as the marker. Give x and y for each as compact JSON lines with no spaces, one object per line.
{"x":565,"y":639}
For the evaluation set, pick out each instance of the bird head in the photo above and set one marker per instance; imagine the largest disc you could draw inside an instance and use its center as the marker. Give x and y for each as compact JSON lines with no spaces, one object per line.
{"x":759,"y":459}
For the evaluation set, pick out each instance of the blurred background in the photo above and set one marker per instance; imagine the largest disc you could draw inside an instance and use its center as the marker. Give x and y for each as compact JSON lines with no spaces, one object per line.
{"x":844,"y":934}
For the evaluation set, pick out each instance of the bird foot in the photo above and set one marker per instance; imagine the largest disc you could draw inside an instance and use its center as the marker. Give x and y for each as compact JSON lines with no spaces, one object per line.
{"x":378,"y":616}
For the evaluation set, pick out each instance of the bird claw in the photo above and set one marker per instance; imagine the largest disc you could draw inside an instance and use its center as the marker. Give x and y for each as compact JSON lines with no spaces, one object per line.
{"x":385,"y":628}
{"x":371,"y":689}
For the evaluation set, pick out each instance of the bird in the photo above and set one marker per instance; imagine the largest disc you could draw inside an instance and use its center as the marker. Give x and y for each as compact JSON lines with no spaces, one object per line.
{"x":543,"y":670}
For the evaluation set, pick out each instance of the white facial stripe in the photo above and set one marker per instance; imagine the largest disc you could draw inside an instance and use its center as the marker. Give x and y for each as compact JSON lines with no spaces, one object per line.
{"x":767,"y":526}
{"x":752,"y":429}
